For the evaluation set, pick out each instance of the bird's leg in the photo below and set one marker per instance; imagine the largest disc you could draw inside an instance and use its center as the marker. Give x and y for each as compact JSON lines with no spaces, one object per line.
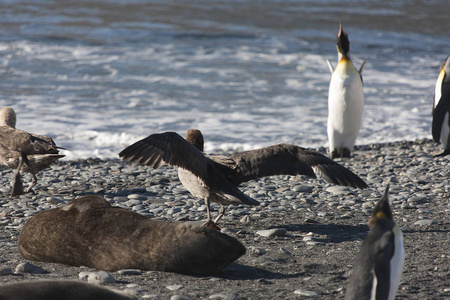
{"x":17,"y":184}
{"x":221,"y":213}
{"x":208,"y":211}
{"x":209,"y":222}
{"x":33,"y":183}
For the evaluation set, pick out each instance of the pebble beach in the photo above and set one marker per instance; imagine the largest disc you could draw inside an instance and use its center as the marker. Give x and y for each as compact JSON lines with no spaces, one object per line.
{"x":301,"y":240}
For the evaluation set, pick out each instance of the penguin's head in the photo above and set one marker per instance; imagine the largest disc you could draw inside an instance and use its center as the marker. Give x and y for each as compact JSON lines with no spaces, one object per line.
{"x":342,"y":42}
{"x":446,"y":66}
{"x":382,"y":210}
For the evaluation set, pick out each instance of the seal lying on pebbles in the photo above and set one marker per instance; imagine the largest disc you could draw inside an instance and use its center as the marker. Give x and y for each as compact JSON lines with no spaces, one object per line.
{"x":20,"y":150}
{"x":379,"y":266}
{"x":90,"y":232}
{"x":58,"y":289}
{"x":215,"y":178}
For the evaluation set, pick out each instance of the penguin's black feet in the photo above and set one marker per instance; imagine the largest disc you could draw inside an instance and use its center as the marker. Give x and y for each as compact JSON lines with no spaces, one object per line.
{"x":445,"y":153}
{"x":345,"y":153}
{"x":340,"y":153}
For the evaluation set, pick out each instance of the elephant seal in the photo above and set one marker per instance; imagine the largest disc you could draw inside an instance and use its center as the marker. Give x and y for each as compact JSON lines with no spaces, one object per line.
{"x":90,"y":232}
{"x":58,"y":289}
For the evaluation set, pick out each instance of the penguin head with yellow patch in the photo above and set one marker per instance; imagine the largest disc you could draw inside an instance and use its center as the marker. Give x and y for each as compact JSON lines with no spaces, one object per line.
{"x":342,"y":42}
{"x":446,"y":66}
{"x":382,"y":211}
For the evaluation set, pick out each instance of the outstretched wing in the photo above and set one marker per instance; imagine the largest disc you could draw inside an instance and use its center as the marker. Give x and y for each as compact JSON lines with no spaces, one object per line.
{"x":291,"y":160}
{"x":171,"y":148}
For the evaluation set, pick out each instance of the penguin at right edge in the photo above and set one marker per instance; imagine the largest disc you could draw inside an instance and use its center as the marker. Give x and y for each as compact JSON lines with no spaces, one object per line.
{"x":440,"y":127}
{"x":379,"y":265}
{"x":345,"y":100}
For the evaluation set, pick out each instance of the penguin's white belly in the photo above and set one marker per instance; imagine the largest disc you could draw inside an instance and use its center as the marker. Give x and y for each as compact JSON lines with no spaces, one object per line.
{"x":345,"y":107}
{"x":397,"y":262}
{"x":445,"y":132}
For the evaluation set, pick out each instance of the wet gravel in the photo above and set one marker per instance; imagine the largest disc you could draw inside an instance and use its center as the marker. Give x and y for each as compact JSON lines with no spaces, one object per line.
{"x":301,"y":241}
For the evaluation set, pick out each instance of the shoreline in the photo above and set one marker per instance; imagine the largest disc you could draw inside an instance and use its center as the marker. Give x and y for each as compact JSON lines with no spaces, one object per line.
{"x":325,"y":223}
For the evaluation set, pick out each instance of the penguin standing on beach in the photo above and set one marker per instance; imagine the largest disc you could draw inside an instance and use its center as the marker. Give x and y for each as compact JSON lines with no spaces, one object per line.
{"x":441,"y":109}
{"x":345,"y":100}
{"x":379,"y":266}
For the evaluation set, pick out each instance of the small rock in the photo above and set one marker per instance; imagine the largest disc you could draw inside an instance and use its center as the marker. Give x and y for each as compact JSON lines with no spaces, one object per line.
{"x":133,"y":291}
{"x":174,"y":287}
{"x":179,"y":297}
{"x":246,"y":219}
{"x":285,"y":251}
{"x":5,"y":271}
{"x":306,"y":293}
{"x":417,"y":200}
{"x":129,"y":272}
{"x":425,"y":222}
{"x":29,"y":268}
{"x":150,"y":296}
{"x":314,"y":243}
{"x":257,"y":251}
{"x":54,"y":200}
{"x":307,"y":238}
{"x":338,"y":190}
{"x":272,"y":232}
{"x":173,"y":210}
{"x":99,"y":191}
{"x":303,"y":189}
{"x":100,"y":277}
{"x":223,"y":296}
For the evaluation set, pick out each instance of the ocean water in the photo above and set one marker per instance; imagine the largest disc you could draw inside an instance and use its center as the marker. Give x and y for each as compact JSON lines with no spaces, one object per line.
{"x":99,"y":75}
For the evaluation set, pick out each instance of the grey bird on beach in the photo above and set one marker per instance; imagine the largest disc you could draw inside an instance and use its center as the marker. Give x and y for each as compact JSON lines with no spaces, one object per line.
{"x":215,"y":178}
{"x":20,"y":150}
{"x":379,"y":266}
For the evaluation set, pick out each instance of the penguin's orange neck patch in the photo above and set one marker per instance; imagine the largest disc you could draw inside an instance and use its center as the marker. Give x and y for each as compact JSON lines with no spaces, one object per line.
{"x":380,"y":215}
{"x":344,"y":59}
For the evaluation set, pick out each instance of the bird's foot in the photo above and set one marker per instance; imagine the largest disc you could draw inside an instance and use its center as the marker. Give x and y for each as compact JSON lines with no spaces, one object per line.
{"x":30,"y":190}
{"x":211,"y":224}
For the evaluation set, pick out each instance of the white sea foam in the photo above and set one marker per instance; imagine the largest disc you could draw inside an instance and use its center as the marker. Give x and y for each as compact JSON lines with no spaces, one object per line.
{"x":243,"y":92}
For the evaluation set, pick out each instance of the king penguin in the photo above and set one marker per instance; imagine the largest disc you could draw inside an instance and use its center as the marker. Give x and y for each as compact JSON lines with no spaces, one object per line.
{"x":345,"y":100}
{"x":441,"y":109}
{"x":379,"y":265}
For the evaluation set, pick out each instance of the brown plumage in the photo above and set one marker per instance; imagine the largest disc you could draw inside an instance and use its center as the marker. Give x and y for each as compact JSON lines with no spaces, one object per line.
{"x":216,"y":177}
{"x":20,"y":150}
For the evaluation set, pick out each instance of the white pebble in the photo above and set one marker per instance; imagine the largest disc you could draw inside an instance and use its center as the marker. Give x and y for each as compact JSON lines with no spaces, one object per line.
{"x":174,"y":287}
{"x":272,"y":232}
{"x":306,"y":293}
{"x":100,"y":277}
